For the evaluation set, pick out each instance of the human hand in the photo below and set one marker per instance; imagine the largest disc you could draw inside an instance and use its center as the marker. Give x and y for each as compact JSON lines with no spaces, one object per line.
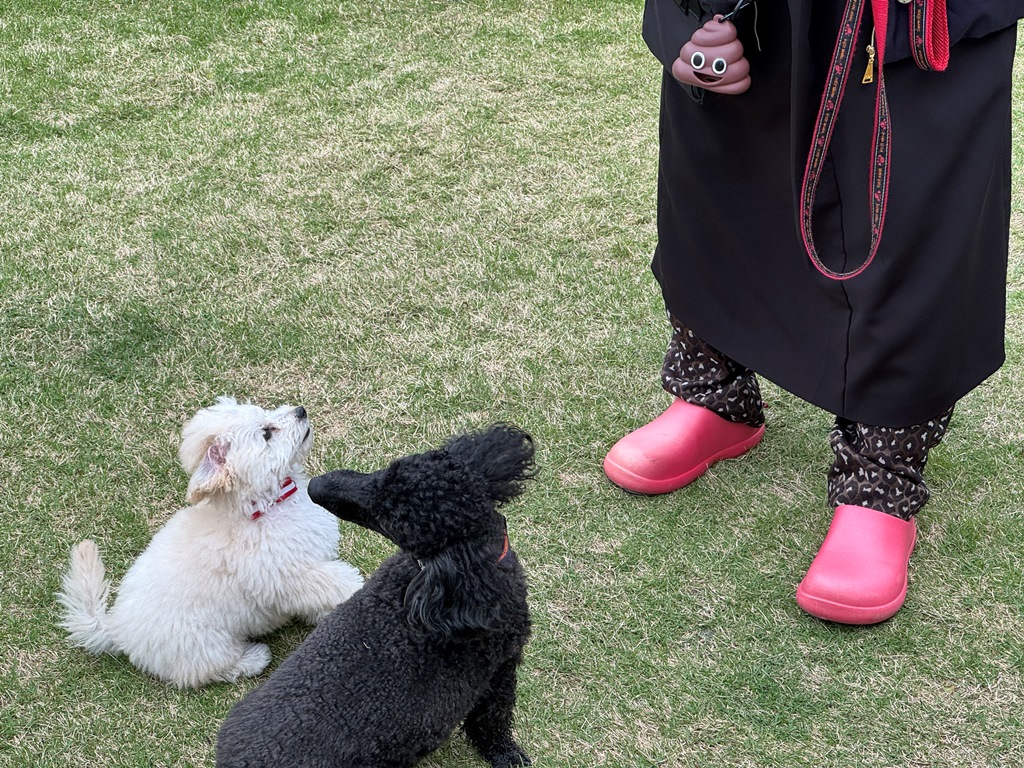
{"x":713,"y":59}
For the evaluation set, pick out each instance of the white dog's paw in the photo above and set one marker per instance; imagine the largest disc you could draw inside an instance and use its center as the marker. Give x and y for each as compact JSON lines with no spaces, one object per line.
{"x":338,"y":582}
{"x":347,"y":578}
{"x":254,"y":659}
{"x":315,"y":618}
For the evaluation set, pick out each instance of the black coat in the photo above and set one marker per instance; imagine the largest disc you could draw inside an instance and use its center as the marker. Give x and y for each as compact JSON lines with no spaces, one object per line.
{"x":924,"y":324}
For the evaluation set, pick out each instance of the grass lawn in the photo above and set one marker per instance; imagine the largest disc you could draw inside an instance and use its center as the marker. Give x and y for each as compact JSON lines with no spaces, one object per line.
{"x":416,"y":218}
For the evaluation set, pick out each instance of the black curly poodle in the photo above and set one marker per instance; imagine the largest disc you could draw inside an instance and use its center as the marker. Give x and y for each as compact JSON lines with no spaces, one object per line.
{"x":430,"y":642}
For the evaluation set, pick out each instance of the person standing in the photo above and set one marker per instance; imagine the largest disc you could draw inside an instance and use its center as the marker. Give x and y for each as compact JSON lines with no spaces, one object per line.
{"x":833,"y":214}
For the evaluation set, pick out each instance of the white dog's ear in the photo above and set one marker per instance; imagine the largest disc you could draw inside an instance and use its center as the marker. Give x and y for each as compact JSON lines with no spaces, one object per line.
{"x":214,"y":472}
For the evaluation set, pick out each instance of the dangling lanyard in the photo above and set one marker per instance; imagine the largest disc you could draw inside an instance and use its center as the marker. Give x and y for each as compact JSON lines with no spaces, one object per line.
{"x":929,"y":43}
{"x":824,"y":126}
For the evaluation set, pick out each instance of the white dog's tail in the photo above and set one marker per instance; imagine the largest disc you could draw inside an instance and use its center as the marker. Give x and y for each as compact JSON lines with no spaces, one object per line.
{"x":84,"y":598}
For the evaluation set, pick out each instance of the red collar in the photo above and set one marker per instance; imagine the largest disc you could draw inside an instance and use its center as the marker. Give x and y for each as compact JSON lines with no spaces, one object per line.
{"x":502,"y":556}
{"x":288,"y":488}
{"x":504,"y":545}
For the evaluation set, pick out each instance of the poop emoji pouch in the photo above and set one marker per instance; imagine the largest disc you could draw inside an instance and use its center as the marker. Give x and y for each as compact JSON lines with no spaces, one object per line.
{"x":713,"y":59}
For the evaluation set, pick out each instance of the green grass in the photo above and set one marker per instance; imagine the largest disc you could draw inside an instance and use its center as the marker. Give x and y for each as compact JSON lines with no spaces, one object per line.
{"x":415,"y":218}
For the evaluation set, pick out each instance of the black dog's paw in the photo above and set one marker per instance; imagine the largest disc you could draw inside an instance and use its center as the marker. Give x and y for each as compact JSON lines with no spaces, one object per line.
{"x":511,"y":757}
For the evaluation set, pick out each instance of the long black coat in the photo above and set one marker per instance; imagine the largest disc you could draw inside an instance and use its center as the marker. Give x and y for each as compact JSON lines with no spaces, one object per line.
{"x":924,"y":324}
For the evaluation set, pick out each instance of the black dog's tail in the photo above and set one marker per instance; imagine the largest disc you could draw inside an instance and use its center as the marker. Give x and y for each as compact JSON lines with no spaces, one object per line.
{"x":502,"y":454}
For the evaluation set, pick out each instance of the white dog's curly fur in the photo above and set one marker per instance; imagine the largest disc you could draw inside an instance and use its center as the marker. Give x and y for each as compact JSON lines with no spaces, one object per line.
{"x":251,"y":554}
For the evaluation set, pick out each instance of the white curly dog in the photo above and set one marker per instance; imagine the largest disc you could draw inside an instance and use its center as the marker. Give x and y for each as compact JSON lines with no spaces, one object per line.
{"x":251,"y":554}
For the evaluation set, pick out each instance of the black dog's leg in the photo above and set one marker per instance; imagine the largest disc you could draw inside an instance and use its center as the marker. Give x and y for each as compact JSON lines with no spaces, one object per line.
{"x":489,"y":726}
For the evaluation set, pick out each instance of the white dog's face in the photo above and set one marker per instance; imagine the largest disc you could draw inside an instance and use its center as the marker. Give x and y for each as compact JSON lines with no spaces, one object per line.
{"x":242,"y":449}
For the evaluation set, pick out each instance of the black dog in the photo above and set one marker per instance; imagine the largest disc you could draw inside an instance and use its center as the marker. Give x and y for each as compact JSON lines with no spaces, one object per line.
{"x":430,"y":642}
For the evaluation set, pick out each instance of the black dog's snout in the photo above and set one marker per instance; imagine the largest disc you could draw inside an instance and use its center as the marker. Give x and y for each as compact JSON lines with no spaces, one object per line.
{"x":300,"y":413}
{"x":315,"y":490}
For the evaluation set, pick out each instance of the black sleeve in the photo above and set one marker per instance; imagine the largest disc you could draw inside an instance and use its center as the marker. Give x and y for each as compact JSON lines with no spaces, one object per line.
{"x":668,"y":25}
{"x":967,"y":19}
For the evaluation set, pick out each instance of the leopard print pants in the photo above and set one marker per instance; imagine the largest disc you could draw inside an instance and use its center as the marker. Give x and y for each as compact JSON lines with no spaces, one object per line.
{"x":699,"y":374}
{"x":880,"y":468}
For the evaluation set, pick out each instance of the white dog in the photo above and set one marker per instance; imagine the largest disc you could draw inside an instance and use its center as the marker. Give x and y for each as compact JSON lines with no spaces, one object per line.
{"x":251,"y":554}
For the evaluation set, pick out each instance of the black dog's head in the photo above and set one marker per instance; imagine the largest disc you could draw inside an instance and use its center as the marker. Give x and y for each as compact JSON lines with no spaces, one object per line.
{"x":442,"y":508}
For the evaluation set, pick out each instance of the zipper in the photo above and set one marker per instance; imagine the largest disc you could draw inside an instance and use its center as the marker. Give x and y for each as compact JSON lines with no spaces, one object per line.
{"x":869,"y":73}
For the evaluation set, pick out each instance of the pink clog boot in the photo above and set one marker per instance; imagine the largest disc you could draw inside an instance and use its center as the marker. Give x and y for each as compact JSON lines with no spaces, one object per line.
{"x":859,"y":575}
{"x":676,"y":448}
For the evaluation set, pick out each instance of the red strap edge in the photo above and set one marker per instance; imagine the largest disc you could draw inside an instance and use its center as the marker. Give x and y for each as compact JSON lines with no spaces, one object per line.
{"x":929,"y":34}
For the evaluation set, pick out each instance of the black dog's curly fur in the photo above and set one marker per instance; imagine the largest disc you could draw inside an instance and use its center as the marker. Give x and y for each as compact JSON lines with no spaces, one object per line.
{"x":430,"y":642}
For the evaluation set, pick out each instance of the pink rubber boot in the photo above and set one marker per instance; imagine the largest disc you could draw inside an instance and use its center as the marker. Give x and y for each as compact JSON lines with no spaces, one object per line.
{"x":859,"y":575}
{"x":676,"y":448}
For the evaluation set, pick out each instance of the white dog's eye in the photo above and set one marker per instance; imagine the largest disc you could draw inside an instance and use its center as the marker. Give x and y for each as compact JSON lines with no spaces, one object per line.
{"x":268,"y":432}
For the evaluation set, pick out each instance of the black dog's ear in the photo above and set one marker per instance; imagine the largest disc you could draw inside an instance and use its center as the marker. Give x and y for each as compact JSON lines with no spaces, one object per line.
{"x":344,"y":493}
{"x":445,"y":598}
{"x":502,"y":453}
